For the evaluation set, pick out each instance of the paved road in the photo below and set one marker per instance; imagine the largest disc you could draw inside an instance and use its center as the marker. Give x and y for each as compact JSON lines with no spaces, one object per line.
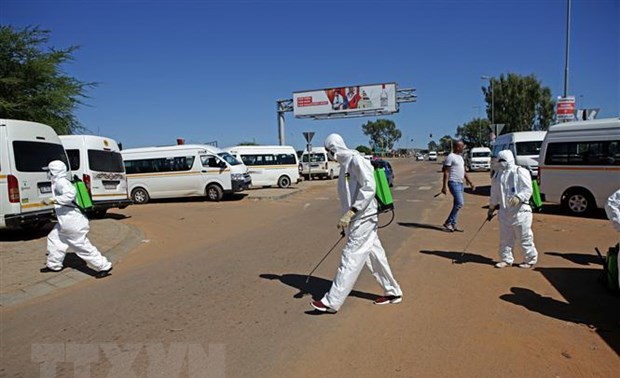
{"x":224,"y":280}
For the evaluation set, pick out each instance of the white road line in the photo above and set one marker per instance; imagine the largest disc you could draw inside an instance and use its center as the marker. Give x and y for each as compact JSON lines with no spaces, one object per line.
{"x":322,"y":198}
{"x":400,"y":188}
{"x":416,"y":200}
{"x":425,"y":188}
{"x":306,"y":205}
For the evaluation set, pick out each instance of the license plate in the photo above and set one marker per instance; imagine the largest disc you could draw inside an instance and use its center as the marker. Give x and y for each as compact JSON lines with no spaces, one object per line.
{"x":45,"y":189}
{"x":109,"y":187}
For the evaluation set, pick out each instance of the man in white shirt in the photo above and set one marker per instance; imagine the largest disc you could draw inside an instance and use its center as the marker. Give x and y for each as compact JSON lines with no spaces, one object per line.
{"x":453,"y":177}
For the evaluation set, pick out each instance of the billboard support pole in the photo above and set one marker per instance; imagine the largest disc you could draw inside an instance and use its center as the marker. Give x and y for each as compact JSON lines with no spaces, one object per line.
{"x":283,"y":106}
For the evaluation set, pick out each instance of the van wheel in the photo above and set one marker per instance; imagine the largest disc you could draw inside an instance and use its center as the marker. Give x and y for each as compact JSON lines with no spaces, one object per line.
{"x":284,"y":182}
{"x":214,"y":192}
{"x":578,"y":202}
{"x":140,"y":196}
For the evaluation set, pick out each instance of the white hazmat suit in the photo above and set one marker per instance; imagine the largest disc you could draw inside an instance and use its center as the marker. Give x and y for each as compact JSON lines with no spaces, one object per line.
{"x":612,"y":208}
{"x":356,"y":189}
{"x":72,"y":226}
{"x":511,"y":189}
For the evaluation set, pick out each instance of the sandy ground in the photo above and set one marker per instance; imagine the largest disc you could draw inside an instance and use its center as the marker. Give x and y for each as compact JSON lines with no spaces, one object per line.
{"x":229,"y":274}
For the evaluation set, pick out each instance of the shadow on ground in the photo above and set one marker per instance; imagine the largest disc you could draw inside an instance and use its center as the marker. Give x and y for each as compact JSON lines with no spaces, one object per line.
{"x":316,"y":287}
{"x":227,"y":198}
{"x":422,"y":225}
{"x":587,"y":301}
{"x":554,"y":209}
{"x":483,"y":190}
{"x":578,"y":258}
{"x":26,"y":234}
{"x":116,"y":216}
{"x":461,"y":258}
{"x":74,"y":262}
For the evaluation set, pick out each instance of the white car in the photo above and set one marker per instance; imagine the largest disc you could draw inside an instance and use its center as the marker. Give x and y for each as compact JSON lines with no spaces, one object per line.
{"x":432,"y":156}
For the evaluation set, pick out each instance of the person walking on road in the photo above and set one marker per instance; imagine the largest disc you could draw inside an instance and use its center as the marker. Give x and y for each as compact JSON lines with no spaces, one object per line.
{"x":72,"y":226}
{"x":511,"y":189}
{"x":453,"y":176}
{"x":356,"y":189}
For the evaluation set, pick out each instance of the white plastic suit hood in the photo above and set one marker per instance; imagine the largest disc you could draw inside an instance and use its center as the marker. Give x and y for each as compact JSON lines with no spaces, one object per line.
{"x":335,"y":144}
{"x":57,"y":170}
{"x":508,"y":157}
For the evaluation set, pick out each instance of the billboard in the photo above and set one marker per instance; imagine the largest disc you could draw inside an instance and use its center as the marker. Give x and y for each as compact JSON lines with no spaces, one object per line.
{"x":565,"y":108}
{"x":346,"y":101}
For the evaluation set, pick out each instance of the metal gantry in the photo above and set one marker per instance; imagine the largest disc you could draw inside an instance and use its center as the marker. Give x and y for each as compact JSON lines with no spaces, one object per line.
{"x":403,"y":95}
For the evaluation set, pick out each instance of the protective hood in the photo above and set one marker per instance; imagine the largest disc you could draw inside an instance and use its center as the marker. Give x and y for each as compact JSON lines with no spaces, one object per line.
{"x":508,"y":157}
{"x":57,"y":170}
{"x":335,"y":144}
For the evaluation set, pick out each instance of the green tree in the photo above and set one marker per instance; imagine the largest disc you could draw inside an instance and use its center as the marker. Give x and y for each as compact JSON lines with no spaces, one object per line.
{"x":33,"y":86}
{"x":383,"y":134}
{"x":475,"y":133}
{"x":432,"y":146}
{"x":364,"y":149}
{"x":520,"y":102}
{"x":248,"y":144}
{"x":445,"y":143}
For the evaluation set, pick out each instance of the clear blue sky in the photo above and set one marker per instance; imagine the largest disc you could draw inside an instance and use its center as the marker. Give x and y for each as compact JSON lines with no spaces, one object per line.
{"x":212,"y":70}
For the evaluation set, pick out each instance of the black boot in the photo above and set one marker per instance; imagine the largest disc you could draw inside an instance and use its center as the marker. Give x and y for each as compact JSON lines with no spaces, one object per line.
{"x":48,"y":270}
{"x":103,"y":273}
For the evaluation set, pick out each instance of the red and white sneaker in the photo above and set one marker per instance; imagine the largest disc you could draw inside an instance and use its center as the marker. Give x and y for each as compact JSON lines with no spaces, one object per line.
{"x":388,"y":299}
{"x":319,"y":306}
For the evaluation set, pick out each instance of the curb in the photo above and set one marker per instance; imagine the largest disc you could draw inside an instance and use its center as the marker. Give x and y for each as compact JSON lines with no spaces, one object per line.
{"x":276,"y":196}
{"x":69,"y":277}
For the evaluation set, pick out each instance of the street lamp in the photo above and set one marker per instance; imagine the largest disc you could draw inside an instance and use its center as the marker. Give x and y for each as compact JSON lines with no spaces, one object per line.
{"x":479,"y":125}
{"x":490,"y":79}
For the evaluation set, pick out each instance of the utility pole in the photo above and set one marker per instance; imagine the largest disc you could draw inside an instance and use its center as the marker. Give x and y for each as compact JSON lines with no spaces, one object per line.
{"x":568,"y":5}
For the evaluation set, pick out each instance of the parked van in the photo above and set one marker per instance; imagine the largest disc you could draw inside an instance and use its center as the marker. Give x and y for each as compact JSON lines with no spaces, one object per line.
{"x":478,"y":159}
{"x":432,"y":156}
{"x":317,"y":163}
{"x":183,"y":171}
{"x":580,"y":164}
{"x":98,"y":162}
{"x":269,"y":165}
{"x":26,"y":148}
{"x":525,"y":146}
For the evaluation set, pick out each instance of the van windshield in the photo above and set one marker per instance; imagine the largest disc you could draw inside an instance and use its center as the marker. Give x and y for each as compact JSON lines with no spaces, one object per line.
{"x":229,"y":158}
{"x":528,"y":148}
{"x":315,"y":158}
{"x":481,"y":154}
{"x":105,"y":161}
{"x":35,"y":156}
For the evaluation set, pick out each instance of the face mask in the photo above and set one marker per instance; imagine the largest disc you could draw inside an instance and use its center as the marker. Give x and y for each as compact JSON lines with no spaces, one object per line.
{"x":330,"y":154}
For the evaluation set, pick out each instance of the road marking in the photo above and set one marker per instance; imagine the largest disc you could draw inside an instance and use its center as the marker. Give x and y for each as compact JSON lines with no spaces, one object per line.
{"x":425,"y":188}
{"x":416,"y":200}
{"x":322,"y":198}
{"x":307,"y":205}
{"x":400,"y":188}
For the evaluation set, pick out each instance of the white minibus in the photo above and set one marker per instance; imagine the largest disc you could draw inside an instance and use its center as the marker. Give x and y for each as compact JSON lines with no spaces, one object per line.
{"x":580,"y":164}
{"x":26,"y":148}
{"x":183,"y":171}
{"x":478,"y":158}
{"x":98,"y":162}
{"x":317,"y":163}
{"x":269,"y":165}
{"x":525,"y":146}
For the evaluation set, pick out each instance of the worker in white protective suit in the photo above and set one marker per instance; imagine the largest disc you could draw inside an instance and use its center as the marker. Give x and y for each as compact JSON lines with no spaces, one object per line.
{"x":72,"y":226}
{"x":612,"y":208}
{"x":511,"y":189}
{"x":356,"y":189}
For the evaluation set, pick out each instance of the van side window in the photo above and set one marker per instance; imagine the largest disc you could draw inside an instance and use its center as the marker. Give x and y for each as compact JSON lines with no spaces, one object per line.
{"x":177,"y":163}
{"x":74,"y":159}
{"x":286,"y":159}
{"x":583,"y":153}
{"x":210,"y":161}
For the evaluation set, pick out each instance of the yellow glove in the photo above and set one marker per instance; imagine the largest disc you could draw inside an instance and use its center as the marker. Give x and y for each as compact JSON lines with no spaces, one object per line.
{"x":49,"y":201}
{"x":346,"y":219}
{"x":514,"y":201}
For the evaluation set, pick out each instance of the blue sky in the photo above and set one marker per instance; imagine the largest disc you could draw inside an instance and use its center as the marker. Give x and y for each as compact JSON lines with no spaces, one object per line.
{"x":213,"y":70}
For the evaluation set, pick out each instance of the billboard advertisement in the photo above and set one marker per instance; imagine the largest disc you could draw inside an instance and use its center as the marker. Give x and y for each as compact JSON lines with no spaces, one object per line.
{"x":565,"y":110}
{"x":346,"y":101}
